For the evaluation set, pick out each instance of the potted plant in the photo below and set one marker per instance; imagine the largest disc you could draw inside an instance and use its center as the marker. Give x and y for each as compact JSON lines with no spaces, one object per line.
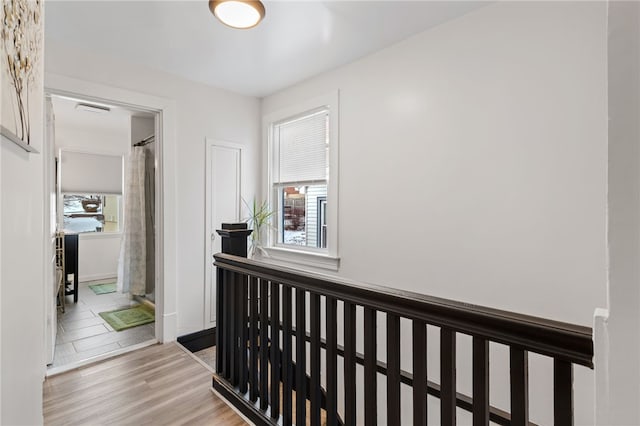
{"x":259,"y":220}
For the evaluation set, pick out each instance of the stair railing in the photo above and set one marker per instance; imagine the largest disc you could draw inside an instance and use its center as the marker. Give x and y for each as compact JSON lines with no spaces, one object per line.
{"x":267,"y":353}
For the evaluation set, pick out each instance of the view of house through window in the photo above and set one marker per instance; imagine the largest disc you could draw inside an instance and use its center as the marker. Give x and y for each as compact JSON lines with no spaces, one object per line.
{"x":91,"y":213}
{"x":301,"y":171}
{"x":304,"y":215}
{"x":303,"y":163}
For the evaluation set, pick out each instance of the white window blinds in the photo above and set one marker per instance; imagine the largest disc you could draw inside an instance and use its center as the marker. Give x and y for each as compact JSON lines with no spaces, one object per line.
{"x":302,"y":149}
{"x":83,"y":173}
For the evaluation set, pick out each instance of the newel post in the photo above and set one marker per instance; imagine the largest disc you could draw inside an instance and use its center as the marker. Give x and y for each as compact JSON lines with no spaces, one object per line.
{"x":231,"y":301}
{"x":234,"y":238}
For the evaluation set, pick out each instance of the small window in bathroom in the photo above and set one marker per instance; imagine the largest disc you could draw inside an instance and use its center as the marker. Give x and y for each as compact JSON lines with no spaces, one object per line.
{"x":91,"y":213}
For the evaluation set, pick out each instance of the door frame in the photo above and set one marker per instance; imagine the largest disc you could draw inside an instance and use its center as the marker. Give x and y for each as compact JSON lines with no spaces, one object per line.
{"x":210,"y":228}
{"x":166,"y":277}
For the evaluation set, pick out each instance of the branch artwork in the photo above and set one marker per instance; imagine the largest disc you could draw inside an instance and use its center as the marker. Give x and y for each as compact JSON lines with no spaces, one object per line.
{"x":21,"y":39}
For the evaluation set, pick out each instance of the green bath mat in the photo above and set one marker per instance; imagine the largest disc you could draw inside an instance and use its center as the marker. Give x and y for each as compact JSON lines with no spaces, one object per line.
{"x":122,"y":319}
{"x":103,"y":288}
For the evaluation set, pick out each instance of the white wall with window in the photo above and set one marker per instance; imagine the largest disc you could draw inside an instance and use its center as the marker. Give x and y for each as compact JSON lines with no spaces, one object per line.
{"x":473,"y":166}
{"x":302,"y":165}
{"x":92,"y":149}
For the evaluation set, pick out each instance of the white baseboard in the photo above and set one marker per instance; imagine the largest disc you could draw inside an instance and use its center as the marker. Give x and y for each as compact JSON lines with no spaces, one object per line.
{"x":53,"y":371}
{"x":601,"y":361}
{"x":167,"y":332}
{"x":96,"y":277}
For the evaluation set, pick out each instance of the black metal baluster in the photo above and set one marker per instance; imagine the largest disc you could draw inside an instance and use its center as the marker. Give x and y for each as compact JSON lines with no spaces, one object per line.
{"x":243,"y":372}
{"x":393,"y":369}
{"x":237,"y":337}
{"x":253,"y":339}
{"x":480,"y":382}
{"x":419,"y":373}
{"x":349,"y":363}
{"x":233,"y":337}
{"x":220,"y":324}
{"x":562,"y":392}
{"x":519,"y":386}
{"x":370,"y":368}
{"x":447,"y":377}
{"x":274,"y":401}
{"x":315,"y":392}
{"x":332,"y":361}
{"x":238,"y":309}
{"x":264,"y":344}
{"x":228,"y":321}
{"x":287,"y":364}
{"x":301,"y":358}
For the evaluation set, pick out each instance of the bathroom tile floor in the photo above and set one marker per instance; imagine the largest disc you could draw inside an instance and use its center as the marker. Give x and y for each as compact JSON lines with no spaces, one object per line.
{"x":83,"y":334}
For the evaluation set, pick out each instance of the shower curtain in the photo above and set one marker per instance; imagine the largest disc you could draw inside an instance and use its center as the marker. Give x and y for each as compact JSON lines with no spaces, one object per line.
{"x":136,"y":267}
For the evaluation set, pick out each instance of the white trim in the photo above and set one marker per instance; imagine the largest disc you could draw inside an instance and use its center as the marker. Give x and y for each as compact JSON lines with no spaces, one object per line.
{"x":99,"y":235}
{"x":166,"y":288}
{"x":49,"y":236}
{"x":210,"y":228}
{"x":1,"y":286}
{"x":54,"y":371}
{"x":281,"y":255}
{"x":330,"y":256}
{"x":601,"y":360}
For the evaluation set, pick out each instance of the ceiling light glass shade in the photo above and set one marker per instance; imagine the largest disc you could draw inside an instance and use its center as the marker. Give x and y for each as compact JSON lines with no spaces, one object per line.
{"x":238,"y":13}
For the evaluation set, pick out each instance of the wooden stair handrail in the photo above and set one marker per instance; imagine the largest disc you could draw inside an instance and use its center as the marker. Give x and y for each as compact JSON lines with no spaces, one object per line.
{"x":559,"y":340}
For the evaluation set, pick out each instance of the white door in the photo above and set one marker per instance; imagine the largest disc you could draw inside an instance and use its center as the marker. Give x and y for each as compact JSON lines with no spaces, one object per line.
{"x":223,"y":204}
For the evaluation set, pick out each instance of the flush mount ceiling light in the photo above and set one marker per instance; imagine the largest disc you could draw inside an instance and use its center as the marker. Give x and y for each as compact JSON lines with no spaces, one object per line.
{"x":240,"y":14}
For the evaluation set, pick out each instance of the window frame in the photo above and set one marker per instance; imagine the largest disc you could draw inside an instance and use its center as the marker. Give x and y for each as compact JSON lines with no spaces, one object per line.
{"x":325,"y":258}
{"x":60,"y":193}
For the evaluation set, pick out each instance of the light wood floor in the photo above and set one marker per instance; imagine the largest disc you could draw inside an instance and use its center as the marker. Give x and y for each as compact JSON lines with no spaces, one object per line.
{"x":208,"y":356}
{"x":159,"y":385}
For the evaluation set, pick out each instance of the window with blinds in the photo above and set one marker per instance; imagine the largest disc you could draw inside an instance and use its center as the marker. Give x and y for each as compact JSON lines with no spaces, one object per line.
{"x":91,"y":191}
{"x":88,"y":173}
{"x":300,"y":172}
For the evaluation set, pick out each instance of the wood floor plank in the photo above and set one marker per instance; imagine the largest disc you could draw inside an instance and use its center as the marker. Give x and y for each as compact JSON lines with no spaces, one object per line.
{"x":160,"y":385}
{"x":120,"y":375}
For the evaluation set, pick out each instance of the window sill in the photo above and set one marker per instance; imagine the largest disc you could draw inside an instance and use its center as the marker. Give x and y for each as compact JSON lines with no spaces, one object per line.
{"x":316,"y":260}
{"x":98,"y":235}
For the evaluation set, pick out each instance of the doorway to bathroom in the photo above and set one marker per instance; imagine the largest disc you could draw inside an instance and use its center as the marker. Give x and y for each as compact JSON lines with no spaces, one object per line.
{"x":104,"y":187}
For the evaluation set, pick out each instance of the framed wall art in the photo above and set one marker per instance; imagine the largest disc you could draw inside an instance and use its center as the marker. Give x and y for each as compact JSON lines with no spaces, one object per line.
{"x":21,"y":71}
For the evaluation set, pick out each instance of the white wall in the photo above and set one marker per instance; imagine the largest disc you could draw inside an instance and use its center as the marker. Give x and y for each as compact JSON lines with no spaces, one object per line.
{"x":22,"y":309}
{"x":486,"y":137}
{"x":98,"y":256}
{"x":142,"y":128}
{"x":618,"y":336}
{"x":201,"y":111}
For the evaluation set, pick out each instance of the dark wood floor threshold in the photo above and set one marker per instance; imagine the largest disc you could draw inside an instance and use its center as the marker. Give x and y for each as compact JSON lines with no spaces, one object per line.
{"x":199,"y":340}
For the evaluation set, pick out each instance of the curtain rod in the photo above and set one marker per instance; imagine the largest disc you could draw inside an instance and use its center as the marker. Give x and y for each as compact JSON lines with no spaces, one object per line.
{"x":145,"y":141}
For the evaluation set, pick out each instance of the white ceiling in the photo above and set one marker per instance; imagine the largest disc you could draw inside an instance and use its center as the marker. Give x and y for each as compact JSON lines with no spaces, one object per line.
{"x":296,"y":40}
{"x":67,"y":115}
